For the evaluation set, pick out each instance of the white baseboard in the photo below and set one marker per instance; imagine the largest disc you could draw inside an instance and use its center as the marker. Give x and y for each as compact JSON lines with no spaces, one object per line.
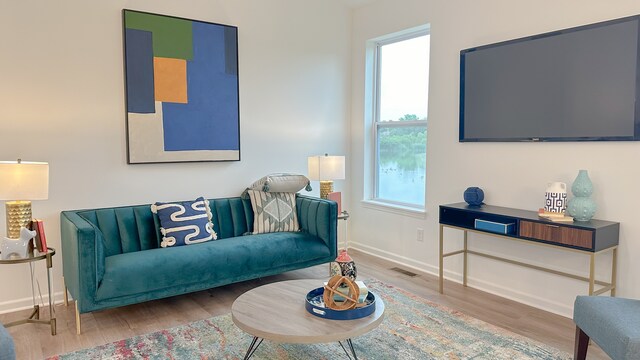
{"x":27,"y":303}
{"x":399,"y":259}
{"x":492,"y":288}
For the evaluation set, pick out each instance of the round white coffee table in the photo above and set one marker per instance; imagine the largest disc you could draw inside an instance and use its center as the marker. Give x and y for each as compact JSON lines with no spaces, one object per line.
{"x":276,"y":312}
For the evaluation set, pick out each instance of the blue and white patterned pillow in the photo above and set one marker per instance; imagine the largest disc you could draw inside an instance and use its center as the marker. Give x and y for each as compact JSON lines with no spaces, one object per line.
{"x":184,"y":223}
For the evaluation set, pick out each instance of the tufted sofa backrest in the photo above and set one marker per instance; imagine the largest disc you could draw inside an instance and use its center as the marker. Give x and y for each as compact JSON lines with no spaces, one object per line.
{"x":134,"y":228}
{"x":124,"y":229}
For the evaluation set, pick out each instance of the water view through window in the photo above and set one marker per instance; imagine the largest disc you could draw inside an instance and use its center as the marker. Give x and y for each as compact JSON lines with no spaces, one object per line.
{"x":401,"y":127}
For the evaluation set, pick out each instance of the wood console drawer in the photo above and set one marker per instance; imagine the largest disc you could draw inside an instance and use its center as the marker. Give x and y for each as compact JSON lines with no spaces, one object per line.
{"x":557,"y":233}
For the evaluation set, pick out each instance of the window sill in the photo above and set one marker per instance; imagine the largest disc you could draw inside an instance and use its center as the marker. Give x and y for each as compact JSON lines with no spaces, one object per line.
{"x":394,"y":208}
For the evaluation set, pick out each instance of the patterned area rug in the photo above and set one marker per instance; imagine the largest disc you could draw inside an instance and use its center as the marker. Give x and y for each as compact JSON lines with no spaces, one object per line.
{"x":413,"y":328}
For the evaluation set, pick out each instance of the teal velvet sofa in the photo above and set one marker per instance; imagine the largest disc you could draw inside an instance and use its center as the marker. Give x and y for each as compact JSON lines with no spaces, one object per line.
{"x":111,"y":256}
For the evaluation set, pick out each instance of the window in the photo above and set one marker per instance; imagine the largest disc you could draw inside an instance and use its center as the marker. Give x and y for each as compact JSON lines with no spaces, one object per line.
{"x":401,"y":89}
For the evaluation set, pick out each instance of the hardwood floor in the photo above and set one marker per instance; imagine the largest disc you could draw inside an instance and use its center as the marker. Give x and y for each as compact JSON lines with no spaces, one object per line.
{"x":35,"y":341}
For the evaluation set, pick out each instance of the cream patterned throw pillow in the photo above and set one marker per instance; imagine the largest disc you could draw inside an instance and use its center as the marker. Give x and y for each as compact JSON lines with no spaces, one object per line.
{"x":273,"y":211}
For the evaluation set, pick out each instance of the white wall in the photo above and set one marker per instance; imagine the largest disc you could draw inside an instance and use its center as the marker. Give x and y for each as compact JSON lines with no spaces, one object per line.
{"x":511,"y":174}
{"x":62,"y":101}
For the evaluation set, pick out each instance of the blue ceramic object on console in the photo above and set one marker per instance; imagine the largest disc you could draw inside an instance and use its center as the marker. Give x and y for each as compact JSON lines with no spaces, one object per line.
{"x":474,"y":196}
{"x":582,"y":207}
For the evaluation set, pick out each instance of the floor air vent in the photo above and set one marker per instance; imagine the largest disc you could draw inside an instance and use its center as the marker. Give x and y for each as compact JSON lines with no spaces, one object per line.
{"x":404,"y":272}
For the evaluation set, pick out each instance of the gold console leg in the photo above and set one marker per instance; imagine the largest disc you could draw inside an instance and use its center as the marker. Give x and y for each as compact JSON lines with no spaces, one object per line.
{"x":78,"y":330}
{"x":592,"y":273}
{"x":441,"y":263}
{"x":614,"y":270}
{"x":465,"y":267}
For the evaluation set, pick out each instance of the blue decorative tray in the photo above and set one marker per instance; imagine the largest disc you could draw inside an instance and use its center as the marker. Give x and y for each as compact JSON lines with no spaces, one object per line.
{"x":315,"y":305}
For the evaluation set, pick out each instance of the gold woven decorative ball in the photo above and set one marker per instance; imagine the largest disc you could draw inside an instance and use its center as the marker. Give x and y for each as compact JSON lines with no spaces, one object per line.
{"x":331,"y":289}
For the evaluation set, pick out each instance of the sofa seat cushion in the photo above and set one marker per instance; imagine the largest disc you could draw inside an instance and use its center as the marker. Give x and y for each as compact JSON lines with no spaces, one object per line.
{"x":225,"y":260}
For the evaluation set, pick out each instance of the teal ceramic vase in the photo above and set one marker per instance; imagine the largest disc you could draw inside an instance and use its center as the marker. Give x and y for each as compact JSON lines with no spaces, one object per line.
{"x":582,"y":207}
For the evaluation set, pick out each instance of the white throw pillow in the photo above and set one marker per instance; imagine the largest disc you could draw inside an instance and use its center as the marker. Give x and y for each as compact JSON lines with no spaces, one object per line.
{"x":282,"y":182}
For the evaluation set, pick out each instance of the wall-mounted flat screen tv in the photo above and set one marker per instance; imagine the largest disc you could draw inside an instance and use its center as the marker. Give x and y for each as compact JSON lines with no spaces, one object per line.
{"x":578,"y":84}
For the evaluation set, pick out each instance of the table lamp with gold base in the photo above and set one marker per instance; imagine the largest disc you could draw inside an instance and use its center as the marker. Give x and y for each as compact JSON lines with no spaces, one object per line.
{"x":21,"y":182}
{"x":326,"y":168}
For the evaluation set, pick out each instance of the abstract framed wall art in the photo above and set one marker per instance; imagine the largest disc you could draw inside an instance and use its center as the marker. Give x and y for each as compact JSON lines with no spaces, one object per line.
{"x":181,"y":80}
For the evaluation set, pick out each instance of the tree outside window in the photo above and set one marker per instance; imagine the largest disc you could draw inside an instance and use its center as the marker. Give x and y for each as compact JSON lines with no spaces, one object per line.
{"x":402,"y":75}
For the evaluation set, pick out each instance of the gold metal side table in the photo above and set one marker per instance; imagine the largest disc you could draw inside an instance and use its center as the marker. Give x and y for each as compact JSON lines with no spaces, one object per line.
{"x":34,"y":318}
{"x":344,"y":215}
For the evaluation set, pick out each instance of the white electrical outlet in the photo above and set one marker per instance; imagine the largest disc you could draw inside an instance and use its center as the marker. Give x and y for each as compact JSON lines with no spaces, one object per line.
{"x":420,"y":235}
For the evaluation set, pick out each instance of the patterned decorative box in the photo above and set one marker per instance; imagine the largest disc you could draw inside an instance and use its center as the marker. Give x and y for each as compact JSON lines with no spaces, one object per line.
{"x":315,"y":305}
{"x":496,"y":227}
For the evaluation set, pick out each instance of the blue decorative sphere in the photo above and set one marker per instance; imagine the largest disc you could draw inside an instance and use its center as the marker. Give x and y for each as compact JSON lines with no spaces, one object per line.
{"x":474,"y":196}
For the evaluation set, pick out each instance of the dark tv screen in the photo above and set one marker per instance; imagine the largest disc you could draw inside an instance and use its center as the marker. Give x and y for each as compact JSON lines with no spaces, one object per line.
{"x":570,"y":85}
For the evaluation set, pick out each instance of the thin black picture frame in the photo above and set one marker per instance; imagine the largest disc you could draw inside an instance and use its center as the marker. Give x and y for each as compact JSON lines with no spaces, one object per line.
{"x":135,"y":133}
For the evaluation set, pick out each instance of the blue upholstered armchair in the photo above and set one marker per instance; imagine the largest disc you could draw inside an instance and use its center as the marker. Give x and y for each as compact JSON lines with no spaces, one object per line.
{"x":7,"y":349}
{"x":612,"y":323}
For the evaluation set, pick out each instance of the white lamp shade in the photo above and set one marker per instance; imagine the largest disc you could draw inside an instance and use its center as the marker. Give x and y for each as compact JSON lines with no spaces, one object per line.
{"x":24,"y":180}
{"x":324,"y":167}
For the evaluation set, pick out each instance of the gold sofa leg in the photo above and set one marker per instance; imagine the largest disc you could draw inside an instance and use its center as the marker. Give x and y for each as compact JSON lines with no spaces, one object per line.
{"x":78,"y":329}
{"x":66,"y":293}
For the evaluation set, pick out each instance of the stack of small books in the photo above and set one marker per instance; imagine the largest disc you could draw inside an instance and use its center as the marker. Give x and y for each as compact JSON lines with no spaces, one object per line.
{"x":554,"y":216}
{"x":40,"y":240}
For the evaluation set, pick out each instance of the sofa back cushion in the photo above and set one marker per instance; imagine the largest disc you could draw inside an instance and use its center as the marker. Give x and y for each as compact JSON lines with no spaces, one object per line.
{"x":124,"y":229}
{"x":132,"y":228}
{"x":231,"y":217}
